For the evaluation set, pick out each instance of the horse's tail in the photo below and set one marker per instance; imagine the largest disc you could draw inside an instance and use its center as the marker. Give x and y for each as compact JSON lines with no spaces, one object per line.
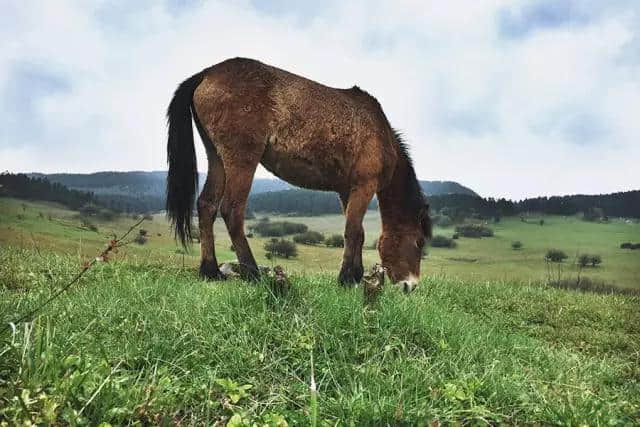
{"x":182,"y":178}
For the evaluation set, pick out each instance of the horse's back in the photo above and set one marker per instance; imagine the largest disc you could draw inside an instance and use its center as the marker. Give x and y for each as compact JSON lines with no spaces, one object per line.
{"x":310,"y":134}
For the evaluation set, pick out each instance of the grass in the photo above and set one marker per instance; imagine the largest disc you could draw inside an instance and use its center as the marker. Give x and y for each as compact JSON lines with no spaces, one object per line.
{"x":141,"y":339}
{"x":493,"y":257}
{"x":145,"y":342}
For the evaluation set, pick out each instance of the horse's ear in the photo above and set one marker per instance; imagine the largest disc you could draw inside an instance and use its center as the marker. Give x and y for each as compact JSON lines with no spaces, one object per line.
{"x":425,"y":221}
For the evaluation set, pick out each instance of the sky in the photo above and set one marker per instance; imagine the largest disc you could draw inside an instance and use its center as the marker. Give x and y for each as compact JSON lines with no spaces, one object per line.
{"x":510,"y":98}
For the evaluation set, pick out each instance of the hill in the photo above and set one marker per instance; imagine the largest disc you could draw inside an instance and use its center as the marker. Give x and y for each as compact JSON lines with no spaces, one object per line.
{"x":35,"y":188}
{"x":139,"y":191}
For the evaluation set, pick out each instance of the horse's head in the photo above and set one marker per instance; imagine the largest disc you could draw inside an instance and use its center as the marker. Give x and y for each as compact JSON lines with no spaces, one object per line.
{"x":401,"y":250}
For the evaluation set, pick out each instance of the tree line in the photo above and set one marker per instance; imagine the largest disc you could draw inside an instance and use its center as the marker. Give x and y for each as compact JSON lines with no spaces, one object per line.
{"x":23,"y":187}
{"x":308,"y":202}
{"x":457,"y":206}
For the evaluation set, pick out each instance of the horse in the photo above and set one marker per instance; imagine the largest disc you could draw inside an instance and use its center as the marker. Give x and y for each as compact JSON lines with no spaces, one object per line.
{"x":308,"y":134}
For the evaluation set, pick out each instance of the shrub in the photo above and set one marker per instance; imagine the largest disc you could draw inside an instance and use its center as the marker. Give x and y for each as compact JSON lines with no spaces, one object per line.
{"x":517,"y":245}
{"x":281,"y":247}
{"x":335,"y":241}
{"x":455,"y":236}
{"x":142,"y":232}
{"x":278,"y":228}
{"x":440,"y":241}
{"x":20,"y":217}
{"x":542,"y":222}
{"x":140,"y":239}
{"x":309,"y":238}
{"x":442,"y":220}
{"x":249,"y":235}
{"x":89,"y":225}
{"x":555,"y":255}
{"x":474,"y":230}
{"x":584,"y":260}
{"x":629,"y":245}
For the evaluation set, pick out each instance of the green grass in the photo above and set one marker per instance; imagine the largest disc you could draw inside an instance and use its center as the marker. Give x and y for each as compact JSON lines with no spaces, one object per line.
{"x":137,"y":341}
{"x":142,"y":340}
{"x":473,"y":259}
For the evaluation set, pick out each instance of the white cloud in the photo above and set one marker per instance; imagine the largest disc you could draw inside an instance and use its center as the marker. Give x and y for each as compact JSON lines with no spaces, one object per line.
{"x":552,"y":111}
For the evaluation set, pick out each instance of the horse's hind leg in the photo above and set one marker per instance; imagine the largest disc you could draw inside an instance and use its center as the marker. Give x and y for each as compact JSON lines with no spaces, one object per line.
{"x":239,"y":176}
{"x":208,"y":203}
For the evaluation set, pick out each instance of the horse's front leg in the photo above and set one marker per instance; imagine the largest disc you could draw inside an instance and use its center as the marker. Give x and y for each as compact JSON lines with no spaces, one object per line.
{"x":356,"y":206}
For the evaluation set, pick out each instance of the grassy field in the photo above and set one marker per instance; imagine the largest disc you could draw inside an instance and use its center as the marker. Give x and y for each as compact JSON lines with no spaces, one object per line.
{"x":486,"y":259}
{"x":141,"y":339}
{"x":142,"y":342}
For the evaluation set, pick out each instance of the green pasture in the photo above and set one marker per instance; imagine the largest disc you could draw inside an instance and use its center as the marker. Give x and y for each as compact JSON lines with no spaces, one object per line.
{"x":485,"y":259}
{"x":139,"y":342}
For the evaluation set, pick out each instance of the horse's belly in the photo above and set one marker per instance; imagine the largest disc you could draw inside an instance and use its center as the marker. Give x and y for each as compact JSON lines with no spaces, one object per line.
{"x":318,"y":169}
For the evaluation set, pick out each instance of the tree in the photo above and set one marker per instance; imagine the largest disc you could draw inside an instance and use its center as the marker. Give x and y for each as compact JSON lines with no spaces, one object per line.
{"x":335,"y":241}
{"x":309,"y":238}
{"x":440,"y":241}
{"x":140,"y":239}
{"x":278,"y":228}
{"x":584,"y":260}
{"x":555,"y":255}
{"x":281,"y":247}
{"x":517,"y":245}
{"x":474,"y":230}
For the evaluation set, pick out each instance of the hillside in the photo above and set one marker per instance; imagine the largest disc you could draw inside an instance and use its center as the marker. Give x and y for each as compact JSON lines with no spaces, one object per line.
{"x":136,"y":191}
{"x":145,"y":191}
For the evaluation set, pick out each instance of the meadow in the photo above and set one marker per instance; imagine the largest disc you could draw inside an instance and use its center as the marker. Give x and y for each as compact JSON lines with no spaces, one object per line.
{"x":140,"y":339}
{"x":485,"y":259}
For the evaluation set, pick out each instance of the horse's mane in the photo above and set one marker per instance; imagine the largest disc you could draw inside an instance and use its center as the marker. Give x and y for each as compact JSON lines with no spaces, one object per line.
{"x":415,"y":198}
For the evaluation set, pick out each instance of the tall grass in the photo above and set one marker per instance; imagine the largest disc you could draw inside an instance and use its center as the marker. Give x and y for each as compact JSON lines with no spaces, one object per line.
{"x":149,"y":343}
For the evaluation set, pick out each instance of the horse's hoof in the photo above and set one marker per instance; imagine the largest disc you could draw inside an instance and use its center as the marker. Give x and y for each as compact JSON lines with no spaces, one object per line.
{"x":211,"y":271}
{"x":350,"y":277}
{"x":250,"y":274}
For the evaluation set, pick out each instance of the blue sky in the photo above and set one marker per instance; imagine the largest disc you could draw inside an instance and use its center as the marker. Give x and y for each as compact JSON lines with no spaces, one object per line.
{"x":511,"y":98}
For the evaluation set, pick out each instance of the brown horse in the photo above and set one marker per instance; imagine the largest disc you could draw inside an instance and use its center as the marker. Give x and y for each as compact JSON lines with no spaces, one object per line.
{"x":308,"y":134}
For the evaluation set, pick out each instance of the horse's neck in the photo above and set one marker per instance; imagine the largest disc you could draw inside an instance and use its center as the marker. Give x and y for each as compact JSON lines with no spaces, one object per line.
{"x":392,"y":200}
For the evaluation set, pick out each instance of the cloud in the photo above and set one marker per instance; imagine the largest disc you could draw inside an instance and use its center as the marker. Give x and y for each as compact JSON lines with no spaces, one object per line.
{"x":510,"y":98}
{"x":546,"y":14}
